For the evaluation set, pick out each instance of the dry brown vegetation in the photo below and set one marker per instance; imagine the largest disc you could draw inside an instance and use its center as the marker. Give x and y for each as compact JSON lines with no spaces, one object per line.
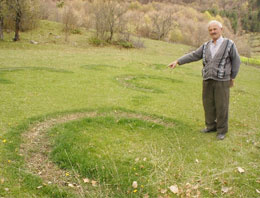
{"x":116,"y":21}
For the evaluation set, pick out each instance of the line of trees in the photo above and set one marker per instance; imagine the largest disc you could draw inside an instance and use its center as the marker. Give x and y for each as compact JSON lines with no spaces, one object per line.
{"x":17,"y":15}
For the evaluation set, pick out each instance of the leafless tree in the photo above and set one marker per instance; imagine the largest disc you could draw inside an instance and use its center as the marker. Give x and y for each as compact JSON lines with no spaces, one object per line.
{"x":162,"y":23}
{"x":69,"y":21}
{"x":108,"y":16}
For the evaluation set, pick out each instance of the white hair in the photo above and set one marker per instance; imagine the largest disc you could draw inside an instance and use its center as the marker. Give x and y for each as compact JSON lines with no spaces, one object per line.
{"x":215,"y":22}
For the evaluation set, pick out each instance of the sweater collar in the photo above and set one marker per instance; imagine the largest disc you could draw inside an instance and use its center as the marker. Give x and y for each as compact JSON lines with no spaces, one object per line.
{"x":219,"y":40}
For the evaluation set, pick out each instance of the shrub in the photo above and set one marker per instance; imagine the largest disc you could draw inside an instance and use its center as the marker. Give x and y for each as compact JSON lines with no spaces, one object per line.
{"x":135,"y":5}
{"x":124,"y":44}
{"x":138,"y":43}
{"x":144,"y":28}
{"x":76,"y":31}
{"x":176,"y":35}
{"x":96,"y":41}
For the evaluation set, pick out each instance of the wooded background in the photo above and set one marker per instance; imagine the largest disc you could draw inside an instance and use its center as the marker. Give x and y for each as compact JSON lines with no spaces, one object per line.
{"x":181,"y":21}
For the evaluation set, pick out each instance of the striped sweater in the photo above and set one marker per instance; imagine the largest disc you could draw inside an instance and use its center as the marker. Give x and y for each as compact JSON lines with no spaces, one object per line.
{"x":211,"y":66}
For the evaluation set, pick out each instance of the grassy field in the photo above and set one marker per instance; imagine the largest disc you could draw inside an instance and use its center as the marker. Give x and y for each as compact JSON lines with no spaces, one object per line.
{"x":84,"y":121}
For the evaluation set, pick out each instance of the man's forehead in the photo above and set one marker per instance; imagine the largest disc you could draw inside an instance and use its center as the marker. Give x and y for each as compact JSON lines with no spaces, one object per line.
{"x":214,"y":25}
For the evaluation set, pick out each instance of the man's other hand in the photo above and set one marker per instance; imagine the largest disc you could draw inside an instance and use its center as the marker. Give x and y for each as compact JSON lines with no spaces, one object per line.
{"x":232,"y":83}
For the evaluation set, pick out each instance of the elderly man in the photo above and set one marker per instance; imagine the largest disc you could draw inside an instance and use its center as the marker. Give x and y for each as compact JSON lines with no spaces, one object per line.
{"x":221,"y":64}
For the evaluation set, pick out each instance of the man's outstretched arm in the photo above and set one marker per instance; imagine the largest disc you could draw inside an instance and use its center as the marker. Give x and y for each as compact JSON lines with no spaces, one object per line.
{"x":190,"y":57}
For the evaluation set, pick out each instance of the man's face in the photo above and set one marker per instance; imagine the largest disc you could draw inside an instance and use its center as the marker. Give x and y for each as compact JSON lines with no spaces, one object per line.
{"x":215,"y":31}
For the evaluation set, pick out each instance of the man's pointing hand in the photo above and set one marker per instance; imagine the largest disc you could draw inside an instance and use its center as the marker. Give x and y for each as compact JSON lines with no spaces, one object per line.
{"x":173,"y":64}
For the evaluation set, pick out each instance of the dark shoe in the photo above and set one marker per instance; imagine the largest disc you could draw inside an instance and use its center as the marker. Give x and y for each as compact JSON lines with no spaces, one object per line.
{"x":221,"y":136}
{"x":206,"y":130}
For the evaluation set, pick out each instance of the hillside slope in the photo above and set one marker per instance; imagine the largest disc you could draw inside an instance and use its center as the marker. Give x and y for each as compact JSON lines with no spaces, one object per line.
{"x":85,"y":121}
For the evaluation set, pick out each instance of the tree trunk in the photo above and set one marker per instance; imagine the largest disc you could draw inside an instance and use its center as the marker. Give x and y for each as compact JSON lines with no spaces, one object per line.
{"x":111,"y":35}
{"x":17,"y":27}
{"x":111,"y":32}
{"x":1,"y":28}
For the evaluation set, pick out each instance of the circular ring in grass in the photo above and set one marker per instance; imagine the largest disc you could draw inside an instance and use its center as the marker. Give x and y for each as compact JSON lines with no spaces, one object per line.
{"x":49,"y":69}
{"x":108,"y":148}
{"x":158,"y":66}
{"x":145,"y":83}
{"x":14,"y":69}
{"x":97,"y":66}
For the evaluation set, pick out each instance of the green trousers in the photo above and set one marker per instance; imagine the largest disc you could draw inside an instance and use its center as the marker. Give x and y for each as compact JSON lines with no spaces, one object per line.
{"x":215,"y":96}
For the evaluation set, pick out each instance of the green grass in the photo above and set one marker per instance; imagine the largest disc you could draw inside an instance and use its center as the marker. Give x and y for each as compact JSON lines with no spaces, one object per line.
{"x":98,"y":67}
{"x":107,"y":150}
{"x":161,"y":114}
{"x":146,"y":83}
